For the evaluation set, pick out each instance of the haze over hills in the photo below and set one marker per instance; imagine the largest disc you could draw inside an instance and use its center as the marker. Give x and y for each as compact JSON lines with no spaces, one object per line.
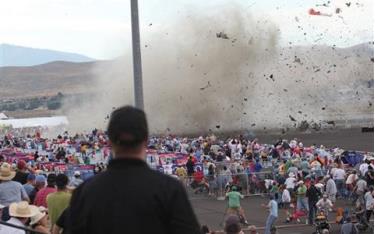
{"x":12,"y":55}
{"x":302,"y":83}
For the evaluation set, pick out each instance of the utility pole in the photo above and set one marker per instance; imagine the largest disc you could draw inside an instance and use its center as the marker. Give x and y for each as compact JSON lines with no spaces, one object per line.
{"x":137,"y":60}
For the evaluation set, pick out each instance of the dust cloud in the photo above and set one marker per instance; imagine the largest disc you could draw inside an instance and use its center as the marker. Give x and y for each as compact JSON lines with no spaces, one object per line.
{"x":225,"y":71}
{"x":195,"y":79}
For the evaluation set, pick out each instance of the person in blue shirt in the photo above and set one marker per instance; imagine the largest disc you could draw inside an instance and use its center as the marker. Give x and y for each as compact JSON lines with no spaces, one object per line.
{"x":258,"y":166}
{"x":273,"y":208}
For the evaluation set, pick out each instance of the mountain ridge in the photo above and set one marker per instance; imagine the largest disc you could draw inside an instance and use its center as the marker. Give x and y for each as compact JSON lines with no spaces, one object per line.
{"x":19,"y":56}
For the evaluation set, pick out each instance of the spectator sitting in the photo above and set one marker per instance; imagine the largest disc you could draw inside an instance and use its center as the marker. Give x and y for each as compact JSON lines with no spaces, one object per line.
{"x":20,"y":212}
{"x":232,"y":225}
{"x":29,"y":186}
{"x":39,"y":222}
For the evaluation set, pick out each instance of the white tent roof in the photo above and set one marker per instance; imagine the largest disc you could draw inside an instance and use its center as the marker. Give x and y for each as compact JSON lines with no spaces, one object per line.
{"x":3,"y":116}
{"x":35,"y":122}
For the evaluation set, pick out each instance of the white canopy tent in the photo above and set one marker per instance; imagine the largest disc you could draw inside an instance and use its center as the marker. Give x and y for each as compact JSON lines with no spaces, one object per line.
{"x":35,"y":122}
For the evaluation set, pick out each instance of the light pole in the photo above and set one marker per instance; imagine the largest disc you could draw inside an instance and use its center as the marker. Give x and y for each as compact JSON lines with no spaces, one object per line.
{"x":137,"y":60}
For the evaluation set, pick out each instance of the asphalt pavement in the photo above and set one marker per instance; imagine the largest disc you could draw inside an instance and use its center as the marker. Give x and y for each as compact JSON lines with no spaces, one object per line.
{"x":211,"y":211}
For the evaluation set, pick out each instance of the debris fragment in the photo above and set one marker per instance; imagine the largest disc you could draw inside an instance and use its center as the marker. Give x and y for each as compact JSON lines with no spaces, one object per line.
{"x":252,"y":125}
{"x":303,"y":126}
{"x":222,"y":35}
{"x":314,"y":12}
{"x":217,"y":126}
{"x":291,"y":118}
{"x":297,"y":60}
{"x":348,"y":4}
{"x":331,"y":122}
{"x":271,"y":77}
{"x":205,"y":87}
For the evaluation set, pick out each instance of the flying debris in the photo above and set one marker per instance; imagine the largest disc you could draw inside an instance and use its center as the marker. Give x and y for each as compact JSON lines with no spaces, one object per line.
{"x":291,"y":118}
{"x":314,"y":12}
{"x":222,"y":35}
{"x":205,"y":87}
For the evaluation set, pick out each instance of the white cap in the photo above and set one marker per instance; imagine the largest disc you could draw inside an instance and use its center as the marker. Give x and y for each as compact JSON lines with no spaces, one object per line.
{"x":77,"y":173}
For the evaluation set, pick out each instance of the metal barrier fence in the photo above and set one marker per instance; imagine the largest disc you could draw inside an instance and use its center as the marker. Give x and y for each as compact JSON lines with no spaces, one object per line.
{"x":26,"y":229}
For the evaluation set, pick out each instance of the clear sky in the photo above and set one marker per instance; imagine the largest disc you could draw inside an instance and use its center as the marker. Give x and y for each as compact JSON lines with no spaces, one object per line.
{"x":101,"y":28}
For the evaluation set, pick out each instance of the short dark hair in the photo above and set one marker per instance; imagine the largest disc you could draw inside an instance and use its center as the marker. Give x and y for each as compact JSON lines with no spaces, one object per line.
{"x":51,"y":180}
{"x":128,"y":127}
{"x":61,"y":181}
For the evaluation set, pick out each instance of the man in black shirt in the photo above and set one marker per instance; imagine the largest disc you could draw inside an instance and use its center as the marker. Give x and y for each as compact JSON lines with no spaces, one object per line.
{"x":21,"y":174}
{"x":313,"y":195}
{"x":129,"y":197}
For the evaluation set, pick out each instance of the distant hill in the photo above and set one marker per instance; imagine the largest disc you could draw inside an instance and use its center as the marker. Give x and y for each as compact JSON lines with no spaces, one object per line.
{"x":46,"y":79}
{"x":12,"y":55}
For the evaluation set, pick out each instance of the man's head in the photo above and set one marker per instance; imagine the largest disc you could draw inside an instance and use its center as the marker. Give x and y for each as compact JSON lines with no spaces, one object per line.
{"x":325,"y":197}
{"x":61,"y":181}
{"x":232,"y":225}
{"x":51,"y":180}
{"x":31,"y":179}
{"x":40,"y":181}
{"x":77,"y":174}
{"x":128,"y":132}
{"x":21,"y":165}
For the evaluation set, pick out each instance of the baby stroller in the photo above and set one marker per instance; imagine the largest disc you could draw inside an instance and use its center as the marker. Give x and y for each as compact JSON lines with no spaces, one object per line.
{"x":321,"y":222}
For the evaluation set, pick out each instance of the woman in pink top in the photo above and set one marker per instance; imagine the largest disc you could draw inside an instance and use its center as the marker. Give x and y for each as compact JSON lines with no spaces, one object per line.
{"x":41,"y":195}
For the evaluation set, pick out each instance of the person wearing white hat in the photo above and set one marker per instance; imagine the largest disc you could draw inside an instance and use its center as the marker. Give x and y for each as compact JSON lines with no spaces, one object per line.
{"x":20,"y":213}
{"x":39,"y":222}
{"x":10,"y":191}
{"x":290,"y":183}
{"x":76,"y":180}
{"x":331,"y":189}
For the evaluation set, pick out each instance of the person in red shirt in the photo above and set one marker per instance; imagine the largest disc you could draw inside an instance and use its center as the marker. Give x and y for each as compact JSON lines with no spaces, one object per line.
{"x":41,"y":195}
{"x":198,"y":181}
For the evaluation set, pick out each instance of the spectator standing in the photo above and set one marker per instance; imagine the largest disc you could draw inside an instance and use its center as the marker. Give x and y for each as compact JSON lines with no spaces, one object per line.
{"x":129,"y":194}
{"x":360,"y":189}
{"x":339,"y":178}
{"x":10,"y":191}
{"x":58,"y":201}
{"x":301,"y":196}
{"x":272,"y":206}
{"x":41,"y":195}
{"x":348,"y":227}
{"x":369,"y":203}
{"x":29,"y":186}
{"x":76,"y":180}
{"x":312,"y":195}
{"x":21,"y":174}
{"x":40,"y":183}
{"x":331,"y":189}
